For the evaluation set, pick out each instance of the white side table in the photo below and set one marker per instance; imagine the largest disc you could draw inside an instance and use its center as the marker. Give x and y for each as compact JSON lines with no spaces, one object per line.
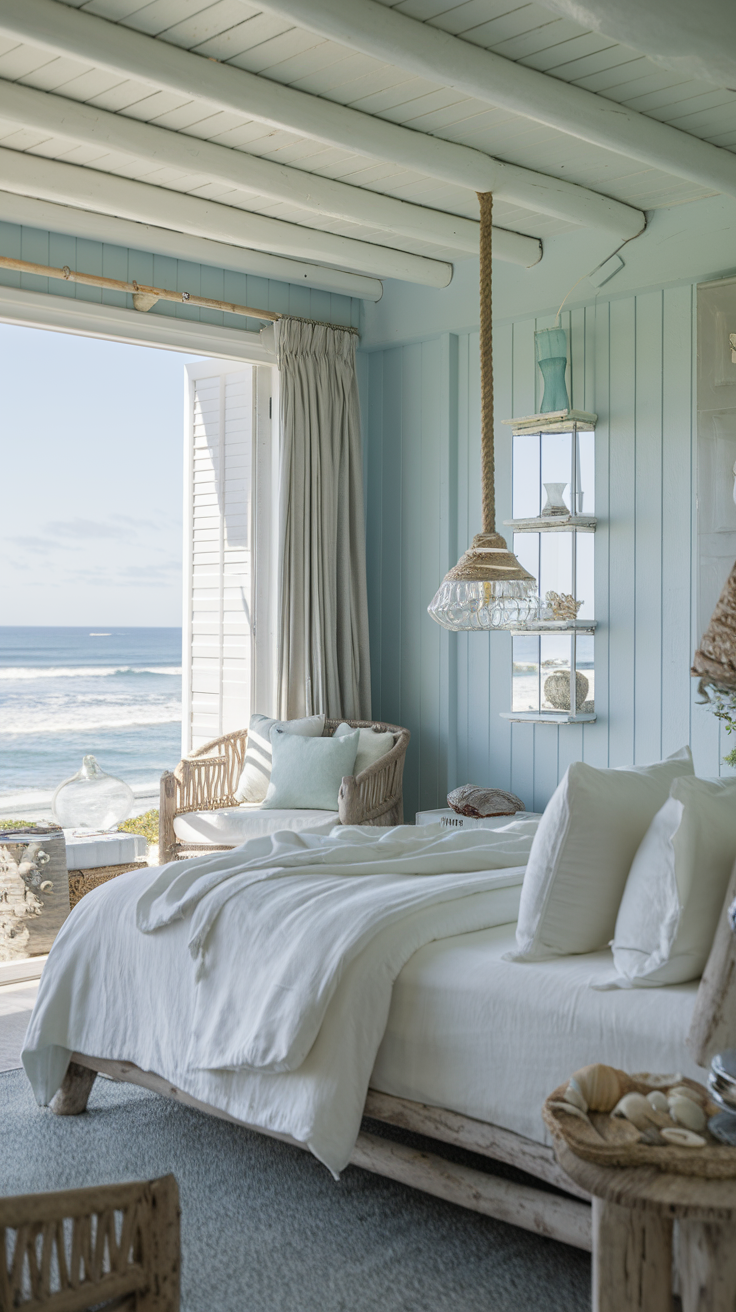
{"x":449,"y":819}
{"x":90,"y":851}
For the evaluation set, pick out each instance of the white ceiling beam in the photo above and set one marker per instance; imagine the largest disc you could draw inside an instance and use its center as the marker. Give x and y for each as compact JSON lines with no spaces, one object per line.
{"x":30,"y":212}
{"x":87,"y":125}
{"x":396,"y":39}
{"x":105,"y":193}
{"x":82,"y":36}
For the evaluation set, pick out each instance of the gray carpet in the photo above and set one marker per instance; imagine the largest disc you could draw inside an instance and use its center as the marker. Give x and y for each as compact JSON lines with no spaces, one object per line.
{"x":16,"y":1005}
{"x":266,"y":1229}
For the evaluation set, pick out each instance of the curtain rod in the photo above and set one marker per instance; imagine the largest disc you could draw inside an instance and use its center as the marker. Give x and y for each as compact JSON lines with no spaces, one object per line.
{"x":145,"y":297}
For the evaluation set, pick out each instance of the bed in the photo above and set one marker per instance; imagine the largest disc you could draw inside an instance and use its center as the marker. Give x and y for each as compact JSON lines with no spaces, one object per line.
{"x":436,"y":1049}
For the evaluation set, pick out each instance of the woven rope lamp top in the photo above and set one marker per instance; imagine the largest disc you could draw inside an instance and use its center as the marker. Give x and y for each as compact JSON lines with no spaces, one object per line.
{"x":488,"y":588}
{"x":715,"y":660}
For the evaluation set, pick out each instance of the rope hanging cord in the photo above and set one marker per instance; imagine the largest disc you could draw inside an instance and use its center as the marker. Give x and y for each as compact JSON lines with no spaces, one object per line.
{"x":486,"y":363}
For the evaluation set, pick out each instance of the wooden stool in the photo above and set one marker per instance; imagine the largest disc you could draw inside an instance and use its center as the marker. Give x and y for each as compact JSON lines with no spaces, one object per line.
{"x":633,"y":1213}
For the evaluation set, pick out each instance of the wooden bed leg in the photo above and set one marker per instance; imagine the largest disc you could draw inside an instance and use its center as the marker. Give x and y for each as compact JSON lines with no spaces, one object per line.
{"x":76,"y":1086}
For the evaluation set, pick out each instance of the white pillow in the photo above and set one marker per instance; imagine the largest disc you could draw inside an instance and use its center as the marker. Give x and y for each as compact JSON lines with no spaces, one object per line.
{"x":582,"y":853}
{"x":253,"y":782}
{"x":372,"y":745}
{"x":675,"y":890}
{"x":307,"y":772}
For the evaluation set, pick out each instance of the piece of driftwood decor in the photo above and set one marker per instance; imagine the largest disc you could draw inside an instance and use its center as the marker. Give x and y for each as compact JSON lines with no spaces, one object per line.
{"x":207,"y":779}
{"x":34,"y":891}
{"x":109,"y":1246}
{"x":552,"y":1215}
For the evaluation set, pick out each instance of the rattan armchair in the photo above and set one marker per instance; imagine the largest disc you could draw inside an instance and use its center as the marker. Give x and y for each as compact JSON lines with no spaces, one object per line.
{"x":206,"y":780}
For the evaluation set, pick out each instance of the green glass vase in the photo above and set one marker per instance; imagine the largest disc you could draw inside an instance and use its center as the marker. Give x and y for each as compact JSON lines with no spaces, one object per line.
{"x":551,"y":349}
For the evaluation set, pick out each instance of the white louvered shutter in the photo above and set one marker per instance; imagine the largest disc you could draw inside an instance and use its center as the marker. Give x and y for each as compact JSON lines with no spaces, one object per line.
{"x":221,"y":470}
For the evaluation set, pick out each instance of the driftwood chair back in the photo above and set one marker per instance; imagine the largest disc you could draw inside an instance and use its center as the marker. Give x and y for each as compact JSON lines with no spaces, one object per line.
{"x":713,"y":1026}
{"x":206,"y":780}
{"x":112,"y":1246}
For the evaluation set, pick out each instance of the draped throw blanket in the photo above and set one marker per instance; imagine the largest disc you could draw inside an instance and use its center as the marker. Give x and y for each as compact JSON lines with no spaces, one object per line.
{"x":323,"y":661}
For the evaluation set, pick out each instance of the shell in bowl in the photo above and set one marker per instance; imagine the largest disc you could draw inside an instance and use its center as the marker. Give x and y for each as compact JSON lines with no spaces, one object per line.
{"x":602,"y":1086}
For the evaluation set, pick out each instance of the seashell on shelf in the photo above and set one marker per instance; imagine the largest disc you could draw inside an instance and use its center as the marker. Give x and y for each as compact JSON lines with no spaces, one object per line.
{"x":573,"y":1094}
{"x":656,"y":1081}
{"x":688,"y":1113}
{"x":570,"y":1109}
{"x":601,"y":1086}
{"x":658,"y":1100}
{"x":635,"y":1108}
{"x":472,"y":800}
{"x":682,"y":1138}
{"x":685,"y":1091}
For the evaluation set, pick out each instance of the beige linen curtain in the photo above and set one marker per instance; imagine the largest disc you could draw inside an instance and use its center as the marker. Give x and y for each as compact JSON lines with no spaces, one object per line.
{"x":323,"y":657}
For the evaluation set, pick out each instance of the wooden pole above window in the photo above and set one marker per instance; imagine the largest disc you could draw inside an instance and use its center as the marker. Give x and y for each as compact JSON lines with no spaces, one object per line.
{"x":144,"y":297}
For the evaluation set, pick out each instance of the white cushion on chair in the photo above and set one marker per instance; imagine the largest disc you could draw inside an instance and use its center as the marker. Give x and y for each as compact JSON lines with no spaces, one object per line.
{"x":235,"y":824}
{"x":372,"y":745}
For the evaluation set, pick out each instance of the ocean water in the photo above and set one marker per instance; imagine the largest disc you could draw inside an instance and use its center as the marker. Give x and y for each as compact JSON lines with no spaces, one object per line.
{"x":66,"y":692}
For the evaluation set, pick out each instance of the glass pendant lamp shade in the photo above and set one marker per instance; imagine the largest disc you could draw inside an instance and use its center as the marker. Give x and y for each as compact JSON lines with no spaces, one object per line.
{"x":92,"y":799}
{"x":488,"y":588}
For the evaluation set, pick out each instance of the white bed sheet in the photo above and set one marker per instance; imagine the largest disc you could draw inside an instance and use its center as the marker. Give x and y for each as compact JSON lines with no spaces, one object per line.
{"x":492,"y":1038}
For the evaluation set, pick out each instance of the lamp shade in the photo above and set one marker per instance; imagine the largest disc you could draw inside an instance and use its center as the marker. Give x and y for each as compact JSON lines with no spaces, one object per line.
{"x":487,"y":589}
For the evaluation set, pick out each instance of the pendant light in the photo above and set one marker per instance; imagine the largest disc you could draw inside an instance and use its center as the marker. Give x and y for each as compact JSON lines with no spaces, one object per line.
{"x":488,"y":588}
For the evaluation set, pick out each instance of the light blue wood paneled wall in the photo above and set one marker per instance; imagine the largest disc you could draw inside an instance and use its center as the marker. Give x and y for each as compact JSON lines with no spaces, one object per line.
{"x":632,"y":362}
{"x":128,"y":265}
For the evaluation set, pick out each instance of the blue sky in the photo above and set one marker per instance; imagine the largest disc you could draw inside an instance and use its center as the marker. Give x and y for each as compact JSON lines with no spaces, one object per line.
{"x":91,"y":471}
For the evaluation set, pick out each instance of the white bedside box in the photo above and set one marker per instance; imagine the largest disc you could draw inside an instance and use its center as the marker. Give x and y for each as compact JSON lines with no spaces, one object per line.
{"x":449,"y":819}
{"x":90,"y":851}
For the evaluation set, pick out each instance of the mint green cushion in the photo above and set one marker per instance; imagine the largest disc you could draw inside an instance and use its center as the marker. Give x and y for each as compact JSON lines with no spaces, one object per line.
{"x":307,"y":772}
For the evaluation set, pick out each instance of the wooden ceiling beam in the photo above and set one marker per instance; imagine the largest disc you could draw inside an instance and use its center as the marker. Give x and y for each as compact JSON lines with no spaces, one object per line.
{"x":155,"y":239}
{"x":85,"y":124}
{"x":106,"y":193}
{"x":65,"y":30}
{"x":427,"y":52}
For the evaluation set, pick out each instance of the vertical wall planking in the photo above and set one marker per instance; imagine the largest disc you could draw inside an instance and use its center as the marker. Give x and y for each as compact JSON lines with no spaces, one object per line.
{"x":498,"y":646}
{"x":647,"y":601}
{"x":409,"y":616}
{"x":523,"y":400}
{"x":677,"y":498}
{"x":432,"y":443}
{"x":622,"y":531}
{"x":632,"y":362}
{"x":597,"y":319}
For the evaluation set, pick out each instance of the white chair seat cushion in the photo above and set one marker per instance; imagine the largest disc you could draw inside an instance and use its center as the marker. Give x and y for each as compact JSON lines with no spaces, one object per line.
{"x":235,"y":824}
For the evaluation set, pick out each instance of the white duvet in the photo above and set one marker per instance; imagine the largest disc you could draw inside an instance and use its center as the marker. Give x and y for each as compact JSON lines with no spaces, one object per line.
{"x":259,"y":980}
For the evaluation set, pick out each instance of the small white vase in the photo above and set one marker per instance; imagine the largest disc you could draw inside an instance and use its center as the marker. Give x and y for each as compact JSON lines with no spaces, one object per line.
{"x":555,"y":503}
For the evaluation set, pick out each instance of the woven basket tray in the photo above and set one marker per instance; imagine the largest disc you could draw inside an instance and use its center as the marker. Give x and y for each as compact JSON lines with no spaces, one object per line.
{"x":83,"y":881}
{"x":613,"y":1141}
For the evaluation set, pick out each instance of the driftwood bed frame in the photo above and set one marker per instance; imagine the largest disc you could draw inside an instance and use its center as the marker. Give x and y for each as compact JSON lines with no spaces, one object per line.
{"x":566,"y":1217}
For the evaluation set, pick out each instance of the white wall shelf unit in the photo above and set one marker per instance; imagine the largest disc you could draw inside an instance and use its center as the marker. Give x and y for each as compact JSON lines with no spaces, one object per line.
{"x":548,"y":717}
{"x":553,"y":484}
{"x":553,"y":524}
{"x":556,"y":626}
